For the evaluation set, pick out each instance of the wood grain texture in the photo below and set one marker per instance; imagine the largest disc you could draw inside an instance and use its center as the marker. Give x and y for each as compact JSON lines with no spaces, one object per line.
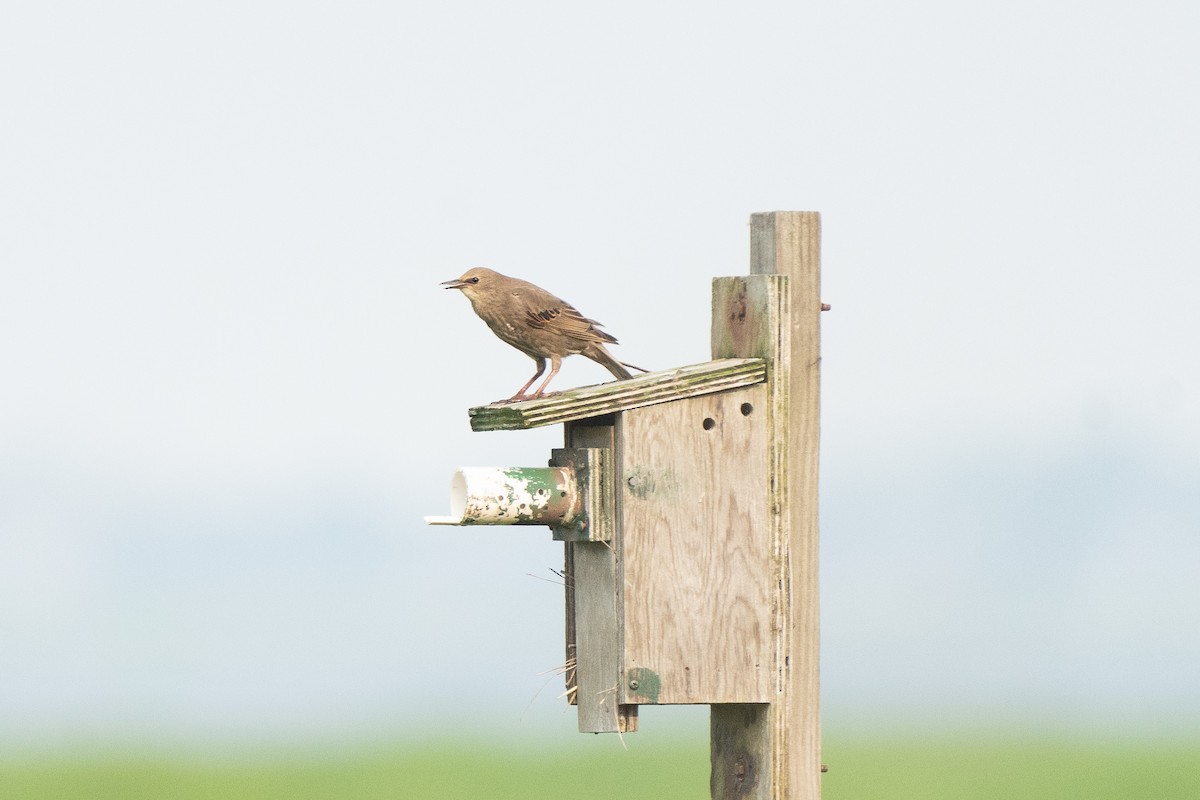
{"x":608,"y":398}
{"x":785,"y":330}
{"x":593,"y":591}
{"x":790,"y":243}
{"x":748,"y":313}
{"x":696,"y":550}
{"x":741,"y":747}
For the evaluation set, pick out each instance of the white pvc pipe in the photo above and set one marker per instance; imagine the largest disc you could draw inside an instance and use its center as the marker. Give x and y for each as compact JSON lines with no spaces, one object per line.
{"x":511,"y":496}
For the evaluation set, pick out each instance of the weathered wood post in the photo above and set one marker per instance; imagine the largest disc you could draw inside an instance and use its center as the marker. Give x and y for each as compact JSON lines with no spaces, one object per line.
{"x":687,"y":500}
{"x":773,"y":751}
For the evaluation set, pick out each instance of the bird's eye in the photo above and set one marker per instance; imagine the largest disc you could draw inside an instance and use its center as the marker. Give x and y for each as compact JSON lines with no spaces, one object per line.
{"x":474,"y":280}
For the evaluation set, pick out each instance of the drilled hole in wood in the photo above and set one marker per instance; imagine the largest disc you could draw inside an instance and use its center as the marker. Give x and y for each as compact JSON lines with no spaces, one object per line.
{"x":747,"y":409}
{"x":709,"y":423}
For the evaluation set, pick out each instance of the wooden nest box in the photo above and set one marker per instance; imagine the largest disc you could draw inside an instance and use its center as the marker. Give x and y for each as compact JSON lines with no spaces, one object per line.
{"x":687,"y":500}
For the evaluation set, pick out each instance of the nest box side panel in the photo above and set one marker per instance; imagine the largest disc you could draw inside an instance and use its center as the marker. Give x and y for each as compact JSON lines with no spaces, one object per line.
{"x":591,"y":574}
{"x":696,"y":550}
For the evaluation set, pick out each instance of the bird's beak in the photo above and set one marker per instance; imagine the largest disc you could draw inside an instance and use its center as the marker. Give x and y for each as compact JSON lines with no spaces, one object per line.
{"x":457,"y":283}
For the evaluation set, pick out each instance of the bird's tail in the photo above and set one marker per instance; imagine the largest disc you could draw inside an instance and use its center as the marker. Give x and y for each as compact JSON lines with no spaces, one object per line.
{"x":601,"y":356}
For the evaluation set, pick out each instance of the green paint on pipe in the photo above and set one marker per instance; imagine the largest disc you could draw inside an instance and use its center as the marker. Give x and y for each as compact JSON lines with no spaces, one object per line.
{"x":541,"y":488}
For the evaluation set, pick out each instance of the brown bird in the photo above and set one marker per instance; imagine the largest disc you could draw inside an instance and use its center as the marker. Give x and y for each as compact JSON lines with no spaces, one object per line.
{"x":537,"y":323}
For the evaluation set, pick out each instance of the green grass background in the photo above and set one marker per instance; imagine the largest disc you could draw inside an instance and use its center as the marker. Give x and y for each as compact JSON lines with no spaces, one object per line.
{"x":925,"y":767}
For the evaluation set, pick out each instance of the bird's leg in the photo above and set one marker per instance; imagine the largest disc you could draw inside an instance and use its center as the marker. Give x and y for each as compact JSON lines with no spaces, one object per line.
{"x":541,"y":367}
{"x":555,"y":363}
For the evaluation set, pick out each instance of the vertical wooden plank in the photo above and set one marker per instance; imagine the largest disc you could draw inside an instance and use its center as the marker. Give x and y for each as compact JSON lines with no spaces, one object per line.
{"x":593,"y":468}
{"x":696,"y":550}
{"x":592,"y":577}
{"x":783,"y":243}
{"x":749,"y":314}
{"x":790,"y":243}
{"x":741,"y":747}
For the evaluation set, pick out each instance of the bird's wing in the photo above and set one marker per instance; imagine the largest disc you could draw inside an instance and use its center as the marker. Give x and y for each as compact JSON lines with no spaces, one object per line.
{"x":544,"y":311}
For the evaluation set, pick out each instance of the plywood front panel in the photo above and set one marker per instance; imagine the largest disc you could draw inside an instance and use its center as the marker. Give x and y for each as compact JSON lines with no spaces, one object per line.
{"x":696,"y":560}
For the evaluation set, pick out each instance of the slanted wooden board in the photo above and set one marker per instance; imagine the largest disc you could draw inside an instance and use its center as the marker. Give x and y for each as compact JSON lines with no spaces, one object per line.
{"x":607,"y":398}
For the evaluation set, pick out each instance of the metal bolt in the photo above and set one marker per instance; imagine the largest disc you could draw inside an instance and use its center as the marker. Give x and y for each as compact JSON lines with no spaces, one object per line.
{"x":634,"y":685}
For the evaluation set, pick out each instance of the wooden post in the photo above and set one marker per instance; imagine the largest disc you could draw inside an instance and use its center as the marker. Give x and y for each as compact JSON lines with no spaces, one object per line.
{"x":772,"y":751}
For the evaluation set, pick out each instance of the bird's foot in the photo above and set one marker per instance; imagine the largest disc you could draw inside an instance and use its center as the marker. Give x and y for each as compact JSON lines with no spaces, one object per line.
{"x":516,"y":398}
{"x":519,"y":398}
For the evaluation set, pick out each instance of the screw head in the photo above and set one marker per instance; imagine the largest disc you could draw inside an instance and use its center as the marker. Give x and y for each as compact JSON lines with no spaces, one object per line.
{"x":634,"y":685}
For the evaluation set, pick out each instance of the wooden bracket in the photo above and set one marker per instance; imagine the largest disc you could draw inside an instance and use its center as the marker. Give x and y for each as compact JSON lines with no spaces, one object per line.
{"x":593,"y":471}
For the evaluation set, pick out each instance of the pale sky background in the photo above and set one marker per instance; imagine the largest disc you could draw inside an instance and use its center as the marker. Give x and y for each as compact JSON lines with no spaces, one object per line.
{"x":232,"y":386}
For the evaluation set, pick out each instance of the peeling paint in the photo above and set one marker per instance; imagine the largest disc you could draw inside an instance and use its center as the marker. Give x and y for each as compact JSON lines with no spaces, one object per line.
{"x":643,"y":683}
{"x":512,"y":496}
